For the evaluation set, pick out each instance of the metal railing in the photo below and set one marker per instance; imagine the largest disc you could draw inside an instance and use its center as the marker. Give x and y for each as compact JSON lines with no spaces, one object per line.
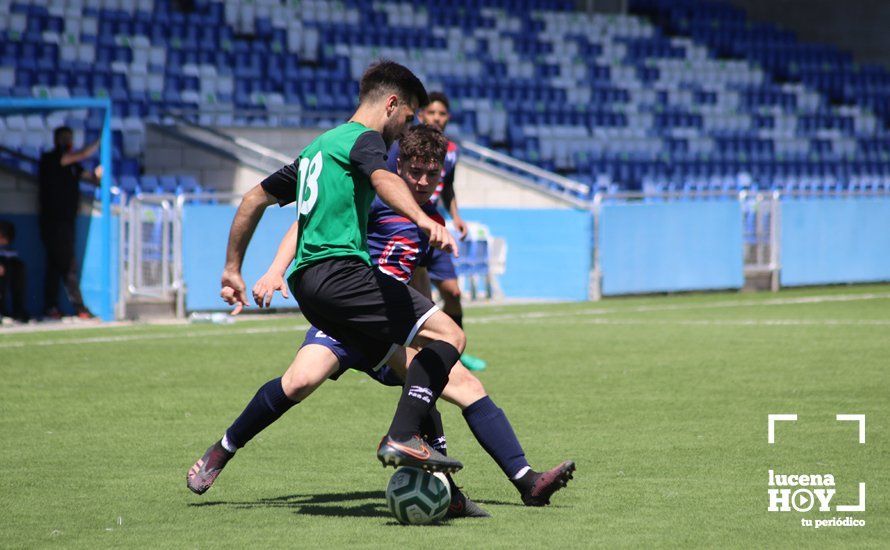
{"x":150,"y":248}
{"x":761,"y":223}
{"x":243,"y":150}
{"x":527,"y":175}
{"x":18,"y":161}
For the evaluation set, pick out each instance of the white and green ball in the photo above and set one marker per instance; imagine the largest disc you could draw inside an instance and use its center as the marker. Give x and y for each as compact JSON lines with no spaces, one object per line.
{"x":416,"y":497}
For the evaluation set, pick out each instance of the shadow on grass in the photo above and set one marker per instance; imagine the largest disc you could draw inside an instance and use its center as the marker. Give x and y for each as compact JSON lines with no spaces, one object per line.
{"x":323,"y":504}
{"x":330,"y":504}
{"x":497,"y":502}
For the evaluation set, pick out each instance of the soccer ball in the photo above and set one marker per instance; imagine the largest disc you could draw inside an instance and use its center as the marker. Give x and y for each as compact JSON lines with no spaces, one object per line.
{"x":417,"y":497}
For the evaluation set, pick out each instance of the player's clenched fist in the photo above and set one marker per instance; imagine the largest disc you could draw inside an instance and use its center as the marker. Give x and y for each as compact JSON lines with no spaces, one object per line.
{"x":234,"y":291}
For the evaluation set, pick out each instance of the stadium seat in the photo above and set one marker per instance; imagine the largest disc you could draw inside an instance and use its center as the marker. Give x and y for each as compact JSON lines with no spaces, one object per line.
{"x":149,"y":185}
{"x":189,"y":185}
{"x":699,"y":88}
{"x":128,"y":184}
{"x":168,"y":184}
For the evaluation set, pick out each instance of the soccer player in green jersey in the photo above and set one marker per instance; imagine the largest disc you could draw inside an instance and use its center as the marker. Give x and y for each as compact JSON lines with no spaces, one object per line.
{"x":334,"y":180}
{"x":321,"y":357}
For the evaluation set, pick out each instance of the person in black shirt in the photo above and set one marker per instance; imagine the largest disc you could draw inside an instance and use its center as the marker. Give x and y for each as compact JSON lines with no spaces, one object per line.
{"x":59,"y":176}
{"x":12,"y":275}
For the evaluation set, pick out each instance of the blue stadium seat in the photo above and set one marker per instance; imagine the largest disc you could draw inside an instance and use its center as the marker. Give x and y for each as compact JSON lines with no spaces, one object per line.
{"x":720,"y":93}
{"x":149,"y":184}
{"x":128,"y":184}
{"x":168,"y":184}
{"x":189,"y":185}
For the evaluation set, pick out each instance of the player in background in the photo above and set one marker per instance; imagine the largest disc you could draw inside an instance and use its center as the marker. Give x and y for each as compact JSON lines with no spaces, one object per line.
{"x":397,"y":246}
{"x":439,"y":266}
{"x":333,"y":181}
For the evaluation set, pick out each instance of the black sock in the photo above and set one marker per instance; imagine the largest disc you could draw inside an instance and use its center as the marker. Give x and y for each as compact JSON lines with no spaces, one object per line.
{"x":426,"y":378}
{"x":455,"y":490}
{"x":524,"y":484}
{"x":433,"y":432}
{"x":267,"y":406}
{"x":458,"y":318}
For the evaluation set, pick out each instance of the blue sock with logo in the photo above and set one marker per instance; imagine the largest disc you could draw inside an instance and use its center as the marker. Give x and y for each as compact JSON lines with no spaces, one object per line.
{"x":493,"y":431}
{"x":267,"y":406}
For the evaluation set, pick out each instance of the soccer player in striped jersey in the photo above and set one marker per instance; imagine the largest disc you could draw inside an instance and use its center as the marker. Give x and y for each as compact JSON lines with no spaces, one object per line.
{"x":438,"y":267}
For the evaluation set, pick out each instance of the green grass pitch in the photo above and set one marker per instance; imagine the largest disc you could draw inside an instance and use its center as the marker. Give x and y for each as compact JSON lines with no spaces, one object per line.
{"x":661,"y":401}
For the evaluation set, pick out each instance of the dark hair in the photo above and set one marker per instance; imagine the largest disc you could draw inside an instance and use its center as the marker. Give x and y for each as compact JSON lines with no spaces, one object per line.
{"x":441,"y":98}
{"x":387,"y":77}
{"x":7,"y":229}
{"x":423,"y":142}
{"x":57,"y":133}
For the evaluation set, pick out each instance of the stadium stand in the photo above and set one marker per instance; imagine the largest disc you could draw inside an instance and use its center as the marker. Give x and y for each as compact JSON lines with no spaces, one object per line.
{"x":683,"y":96}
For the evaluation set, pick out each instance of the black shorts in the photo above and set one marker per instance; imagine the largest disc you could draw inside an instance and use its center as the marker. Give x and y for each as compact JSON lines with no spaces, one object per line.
{"x":440,"y":265}
{"x":360,"y":306}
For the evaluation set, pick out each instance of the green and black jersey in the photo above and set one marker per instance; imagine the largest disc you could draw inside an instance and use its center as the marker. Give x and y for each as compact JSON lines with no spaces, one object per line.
{"x":330,"y":181}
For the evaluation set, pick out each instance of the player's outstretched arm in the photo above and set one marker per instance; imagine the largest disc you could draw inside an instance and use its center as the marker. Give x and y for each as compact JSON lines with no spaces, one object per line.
{"x":457,"y":220}
{"x":273,"y":280}
{"x":395,"y":194}
{"x":450,"y":202}
{"x":83,"y":154}
{"x":248,"y":215}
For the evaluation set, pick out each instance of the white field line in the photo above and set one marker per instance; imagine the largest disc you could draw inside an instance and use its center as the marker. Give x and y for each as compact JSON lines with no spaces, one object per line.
{"x":680,"y":307}
{"x":743,"y":322}
{"x":141,"y":337}
{"x":529,"y":316}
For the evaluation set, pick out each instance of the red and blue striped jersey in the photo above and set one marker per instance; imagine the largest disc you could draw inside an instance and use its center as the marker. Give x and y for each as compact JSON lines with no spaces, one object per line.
{"x":397,"y":246}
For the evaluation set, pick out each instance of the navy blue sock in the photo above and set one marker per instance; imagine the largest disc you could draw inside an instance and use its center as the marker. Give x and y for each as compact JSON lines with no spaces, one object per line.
{"x":267,"y":406}
{"x":493,"y":431}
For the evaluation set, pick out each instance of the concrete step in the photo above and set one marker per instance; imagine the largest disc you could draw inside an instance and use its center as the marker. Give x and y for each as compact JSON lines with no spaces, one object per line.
{"x":142,"y":309}
{"x":758,"y":281}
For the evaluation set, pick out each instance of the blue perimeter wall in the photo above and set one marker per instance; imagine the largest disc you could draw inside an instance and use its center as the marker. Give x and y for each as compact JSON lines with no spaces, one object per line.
{"x":646,"y":247}
{"x":88,"y":255}
{"x":548,"y":250}
{"x":666,"y":247}
{"x":542,"y":243}
{"x":205,"y":233}
{"x":835,"y":241}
